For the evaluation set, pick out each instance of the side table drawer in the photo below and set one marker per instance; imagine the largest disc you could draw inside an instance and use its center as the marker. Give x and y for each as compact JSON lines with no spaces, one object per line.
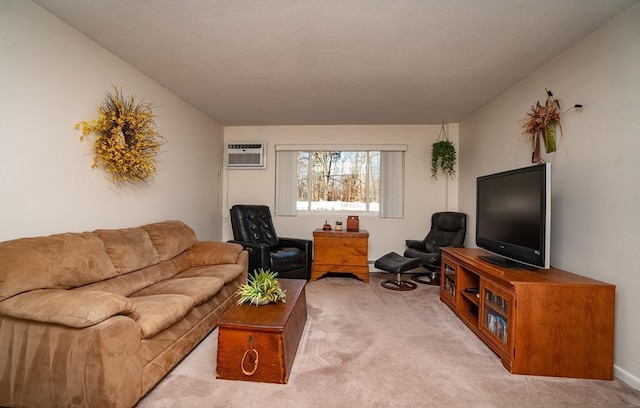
{"x":350,"y":251}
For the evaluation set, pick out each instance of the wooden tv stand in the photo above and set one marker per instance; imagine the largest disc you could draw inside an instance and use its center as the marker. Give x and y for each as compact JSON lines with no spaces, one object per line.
{"x":539,"y":322}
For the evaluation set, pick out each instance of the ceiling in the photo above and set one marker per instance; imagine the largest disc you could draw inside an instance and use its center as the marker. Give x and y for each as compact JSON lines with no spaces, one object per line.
{"x":296,"y":62}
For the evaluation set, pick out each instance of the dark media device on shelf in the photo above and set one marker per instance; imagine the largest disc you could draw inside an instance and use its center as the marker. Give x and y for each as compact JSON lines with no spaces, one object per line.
{"x":513,"y":217}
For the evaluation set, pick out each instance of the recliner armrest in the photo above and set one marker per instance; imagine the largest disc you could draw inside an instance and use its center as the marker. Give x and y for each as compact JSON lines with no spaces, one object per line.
{"x":305,"y":245}
{"x":415,"y":244}
{"x":295,"y":242}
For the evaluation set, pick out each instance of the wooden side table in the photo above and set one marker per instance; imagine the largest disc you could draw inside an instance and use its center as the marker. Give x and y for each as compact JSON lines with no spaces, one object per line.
{"x":340,"y":251}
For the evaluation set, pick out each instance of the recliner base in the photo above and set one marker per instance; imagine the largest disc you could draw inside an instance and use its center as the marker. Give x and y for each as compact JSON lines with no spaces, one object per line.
{"x":398,"y":284}
{"x":433,"y":280}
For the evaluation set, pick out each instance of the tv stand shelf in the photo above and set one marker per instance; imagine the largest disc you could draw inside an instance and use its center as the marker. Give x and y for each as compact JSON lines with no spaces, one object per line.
{"x":539,"y":322}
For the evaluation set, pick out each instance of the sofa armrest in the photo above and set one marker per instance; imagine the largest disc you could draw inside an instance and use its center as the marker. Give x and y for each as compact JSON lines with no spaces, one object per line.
{"x":77,"y":309}
{"x":259,"y":255}
{"x":214,"y":253}
{"x":59,"y":366}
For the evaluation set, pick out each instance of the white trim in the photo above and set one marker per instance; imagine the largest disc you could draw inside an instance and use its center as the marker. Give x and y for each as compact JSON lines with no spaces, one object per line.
{"x":343,"y":147}
{"x":626,"y":377}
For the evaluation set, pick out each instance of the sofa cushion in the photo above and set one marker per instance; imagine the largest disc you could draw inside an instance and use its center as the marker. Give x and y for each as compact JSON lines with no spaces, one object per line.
{"x":132,"y":282}
{"x":225,"y":272}
{"x":198,"y":289}
{"x":170,"y":238}
{"x":58,"y":261}
{"x":67,"y":307}
{"x":130,"y":249}
{"x":158,"y":312}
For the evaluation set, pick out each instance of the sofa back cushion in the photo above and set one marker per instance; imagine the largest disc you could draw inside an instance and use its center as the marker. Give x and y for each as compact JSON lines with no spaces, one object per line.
{"x":170,"y":238}
{"x":130,"y":249}
{"x":128,"y":283}
{"x":59,"y":261}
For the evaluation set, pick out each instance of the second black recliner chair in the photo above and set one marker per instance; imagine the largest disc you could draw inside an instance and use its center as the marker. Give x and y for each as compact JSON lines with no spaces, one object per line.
{"x":448,"y":229}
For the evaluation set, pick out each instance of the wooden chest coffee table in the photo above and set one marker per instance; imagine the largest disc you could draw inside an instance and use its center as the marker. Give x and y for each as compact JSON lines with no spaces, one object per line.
{"x":259,"y":343}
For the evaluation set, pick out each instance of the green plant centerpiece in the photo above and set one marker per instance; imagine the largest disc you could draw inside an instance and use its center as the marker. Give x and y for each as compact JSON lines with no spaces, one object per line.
{"x":261,"y":288}
{"x":443,"y":156}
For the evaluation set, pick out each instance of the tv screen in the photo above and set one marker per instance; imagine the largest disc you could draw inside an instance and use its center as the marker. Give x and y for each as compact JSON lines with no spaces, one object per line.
{"x":513,"y":216}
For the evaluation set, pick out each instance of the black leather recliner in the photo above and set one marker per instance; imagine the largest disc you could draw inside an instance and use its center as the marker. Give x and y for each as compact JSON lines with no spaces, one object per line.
{"x":448,"y":229}
{"x":253,"y":228}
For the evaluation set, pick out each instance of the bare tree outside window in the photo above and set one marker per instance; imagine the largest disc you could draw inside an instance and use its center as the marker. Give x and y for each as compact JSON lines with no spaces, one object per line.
{"x":339,"y":181}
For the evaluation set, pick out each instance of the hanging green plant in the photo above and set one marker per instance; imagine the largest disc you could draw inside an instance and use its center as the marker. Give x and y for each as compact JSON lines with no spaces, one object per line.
{"x":443,"y":156}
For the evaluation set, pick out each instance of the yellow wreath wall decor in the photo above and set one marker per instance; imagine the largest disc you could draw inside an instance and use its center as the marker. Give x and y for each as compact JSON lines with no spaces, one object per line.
{"x":126,"y":138}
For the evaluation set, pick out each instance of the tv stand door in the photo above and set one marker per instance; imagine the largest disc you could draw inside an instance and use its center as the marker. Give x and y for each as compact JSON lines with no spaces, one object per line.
{"x":496,"y":323}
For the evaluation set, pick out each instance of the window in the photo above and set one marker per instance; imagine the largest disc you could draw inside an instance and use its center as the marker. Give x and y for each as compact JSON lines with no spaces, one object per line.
{"x":367,"y":179}
{"x":338,"y":181}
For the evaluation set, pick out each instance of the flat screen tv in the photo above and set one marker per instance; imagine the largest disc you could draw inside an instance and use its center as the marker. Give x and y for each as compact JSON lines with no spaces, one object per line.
{"x":513,"y":217}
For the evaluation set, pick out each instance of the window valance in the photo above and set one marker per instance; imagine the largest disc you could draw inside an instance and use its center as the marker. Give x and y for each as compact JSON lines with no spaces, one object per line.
{"x":342,"y":147}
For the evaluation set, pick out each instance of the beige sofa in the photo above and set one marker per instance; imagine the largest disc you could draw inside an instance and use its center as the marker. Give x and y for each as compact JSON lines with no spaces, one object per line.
{"x":96,"y":319}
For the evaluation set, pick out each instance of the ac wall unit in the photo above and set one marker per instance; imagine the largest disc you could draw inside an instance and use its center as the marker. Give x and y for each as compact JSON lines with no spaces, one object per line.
{"x":246,"y":155}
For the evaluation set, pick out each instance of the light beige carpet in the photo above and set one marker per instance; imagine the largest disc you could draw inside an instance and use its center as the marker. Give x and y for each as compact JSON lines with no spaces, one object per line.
{"x":366,"y":346}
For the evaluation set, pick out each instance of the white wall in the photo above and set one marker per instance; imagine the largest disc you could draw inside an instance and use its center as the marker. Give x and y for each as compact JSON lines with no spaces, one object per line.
{"x":596,"y":172}
{"x":52,"y":77}
{"x":423,"y":197}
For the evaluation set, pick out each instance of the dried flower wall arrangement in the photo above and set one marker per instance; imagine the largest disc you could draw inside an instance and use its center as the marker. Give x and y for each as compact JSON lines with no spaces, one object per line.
{"x":540,"y":124}
{"x":126,"y":140}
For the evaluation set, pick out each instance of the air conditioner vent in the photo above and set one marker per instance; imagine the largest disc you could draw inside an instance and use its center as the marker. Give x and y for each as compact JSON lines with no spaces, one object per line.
{"x":247,"y":155}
